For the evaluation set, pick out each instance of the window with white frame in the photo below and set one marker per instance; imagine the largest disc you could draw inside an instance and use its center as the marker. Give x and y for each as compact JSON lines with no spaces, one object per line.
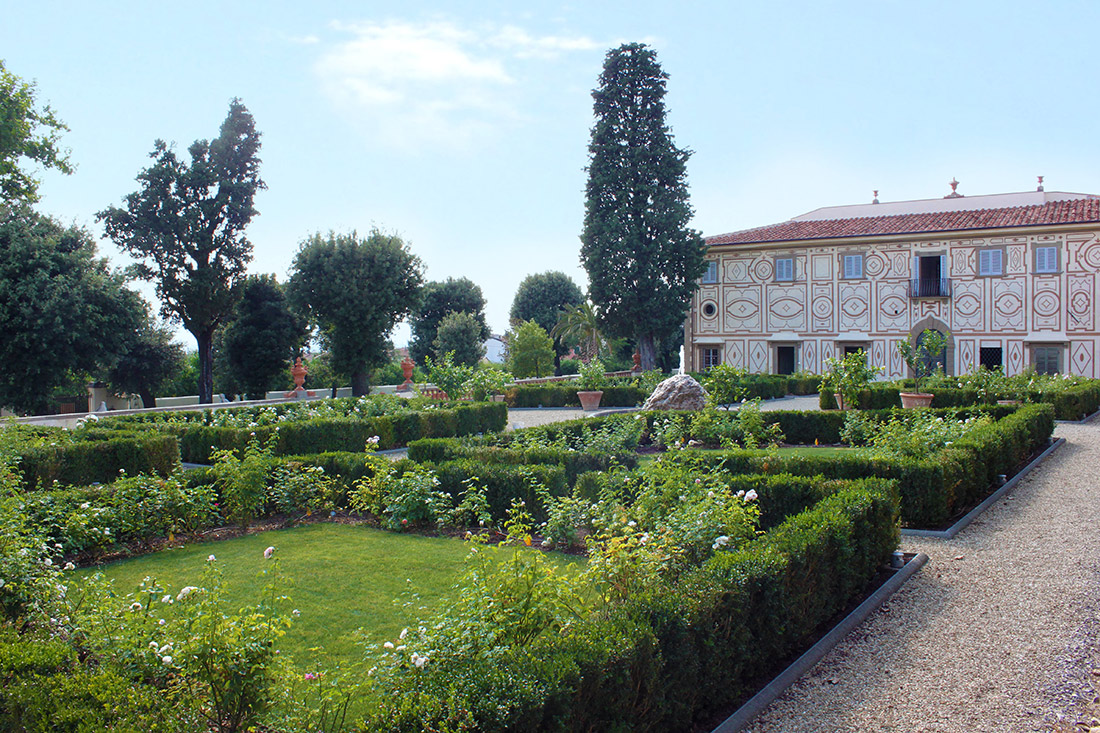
{"x":991,"y":262}
{"x":711,"y":357}
{"x":711,"y":275}
{"x":784,"y":268}
{"x":1048,"y":359}
{"x":1046,"y":259}
{"x":853,"y":266}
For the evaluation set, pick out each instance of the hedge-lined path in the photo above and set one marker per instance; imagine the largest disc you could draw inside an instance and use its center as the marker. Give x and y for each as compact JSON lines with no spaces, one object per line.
{"x":999,"y":632}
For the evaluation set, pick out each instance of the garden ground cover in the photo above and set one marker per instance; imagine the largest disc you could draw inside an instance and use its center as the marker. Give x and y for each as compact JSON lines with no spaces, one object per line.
{"x":341,"y":577}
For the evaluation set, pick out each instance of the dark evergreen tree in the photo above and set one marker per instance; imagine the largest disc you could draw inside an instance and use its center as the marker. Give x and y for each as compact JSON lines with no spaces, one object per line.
{"x":149,"y":360}
{"x":459,"y":333}
{"x":263,"y":337}
{"x":354,"y":291}
{"x":542,"y":298}
{"x":437,"y":300}
{"x":186,"y":227}
{"x":642,"y":259}
{"x":63,"y":311}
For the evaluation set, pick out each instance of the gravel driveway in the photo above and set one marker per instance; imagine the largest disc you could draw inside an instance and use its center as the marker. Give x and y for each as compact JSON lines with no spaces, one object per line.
{"x":999,"y":632}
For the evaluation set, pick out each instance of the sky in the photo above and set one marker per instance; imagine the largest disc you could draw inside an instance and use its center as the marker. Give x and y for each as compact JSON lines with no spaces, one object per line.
{"x":463,"y":126}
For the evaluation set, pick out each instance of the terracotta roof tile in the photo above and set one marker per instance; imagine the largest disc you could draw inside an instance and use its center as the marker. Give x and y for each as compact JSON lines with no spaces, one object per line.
{"x":1058,"y":212}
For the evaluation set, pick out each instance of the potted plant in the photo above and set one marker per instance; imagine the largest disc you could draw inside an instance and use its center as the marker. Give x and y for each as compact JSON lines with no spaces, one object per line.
{"x":847,"y":377}
{"x":593,"y":380}
{"x":923,"y":359}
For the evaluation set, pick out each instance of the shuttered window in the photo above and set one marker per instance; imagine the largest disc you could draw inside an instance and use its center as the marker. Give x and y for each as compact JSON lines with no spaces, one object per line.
{"x":711,"y":275}
{"x":991,"y":262}
{"x":1048,"y":359}
{"x":1046,"y":259}
{"x":784,"y":268}
{"x":853,"y":266}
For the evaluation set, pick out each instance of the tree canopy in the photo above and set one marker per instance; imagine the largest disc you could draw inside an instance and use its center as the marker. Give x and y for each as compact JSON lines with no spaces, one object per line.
{"x":62,"y":309}
{"x":642,"y":259}
{"x":148,"y":360}
{"x":355,"y":291}
{"x":185,"y":226}
{"x":459,"y":333}
{"x":436,"y":301}
{"x":530,"y":351}
{"x":542,"y":298}
{"x":28,"y":134}
{"x":262,"y":338}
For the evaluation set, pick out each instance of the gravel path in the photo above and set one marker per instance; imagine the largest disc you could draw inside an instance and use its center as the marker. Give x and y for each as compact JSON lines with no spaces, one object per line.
{"x":1000,"y":631}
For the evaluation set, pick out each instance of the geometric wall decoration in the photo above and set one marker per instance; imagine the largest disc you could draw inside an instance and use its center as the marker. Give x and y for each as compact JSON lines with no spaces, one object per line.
{"x":1016,"y":362}
{"x":892,"y":313}
{"x":758,"y":356}
{"x":821,"y":307}
{"x":1081,"y":358}
{"x":965,"y":350}
{"x":742,"y":310}
{"x":966,"y":302}
{"x":855,"y":306}
{"x":735,"y":354}
{"x":1046,"y":305}
{"x":1008,"y":304}
{"x":1080,"y":306}
{"x":786,"y":308}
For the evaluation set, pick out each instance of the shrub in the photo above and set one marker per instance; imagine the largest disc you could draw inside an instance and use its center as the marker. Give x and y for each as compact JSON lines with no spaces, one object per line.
{"x":101,"y":458}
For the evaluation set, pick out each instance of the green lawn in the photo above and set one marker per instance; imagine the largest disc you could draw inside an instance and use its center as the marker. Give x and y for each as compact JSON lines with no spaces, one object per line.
{"x":340,"y":577}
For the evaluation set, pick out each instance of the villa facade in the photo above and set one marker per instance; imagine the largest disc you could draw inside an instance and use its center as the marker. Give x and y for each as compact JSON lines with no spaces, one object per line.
{"x":1011,"y":277}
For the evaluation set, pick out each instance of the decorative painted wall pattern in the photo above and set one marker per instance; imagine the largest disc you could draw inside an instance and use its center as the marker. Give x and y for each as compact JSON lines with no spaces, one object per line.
{"x":1082,"y":314}
{"x":742,"y":310}
{"x":787,"y":308}
{"x":966,"y":352}
{"x":967,"y":305}
{"x":1046,"y":304}
{"x":758,"y":356}
{"x":893,"y":306}
{"x":1015,"y":310}
{"x":855,"y":308}
{"x":1016,"y":361}
{"x":1081,"y":358}
{"x":1008,"y":304}
{"x":821,"y":307}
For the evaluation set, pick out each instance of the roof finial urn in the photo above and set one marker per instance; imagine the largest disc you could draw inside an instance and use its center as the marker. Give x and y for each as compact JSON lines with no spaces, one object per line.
{"x":1040,"y":188}
{"x":875,"y":199}
{"x":954,"y":194}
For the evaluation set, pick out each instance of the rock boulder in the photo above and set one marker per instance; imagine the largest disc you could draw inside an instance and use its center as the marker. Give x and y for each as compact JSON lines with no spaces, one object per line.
{"x":678,"y":392}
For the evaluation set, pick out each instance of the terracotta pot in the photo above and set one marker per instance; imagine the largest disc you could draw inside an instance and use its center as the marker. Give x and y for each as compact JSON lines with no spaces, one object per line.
{"x":496,"y":398}
{"x":910,"y":400}
{"x":589,"y":400}
{"x":839,"y":401}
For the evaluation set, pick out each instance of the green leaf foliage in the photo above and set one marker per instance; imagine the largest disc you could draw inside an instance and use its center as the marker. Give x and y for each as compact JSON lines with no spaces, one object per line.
{"x":354,"y":290}
{"x":28,"y":134}
{"x":263,"y":337}
{"x":542,"y":298}
{"x":148,"y":361}
{"x":185,"y":226}
{"x":459,"y":334}
{"x":641,"y":256}
{"x":437,"y":299}
{"x":62,"y":309}
{"x":530,"y":351}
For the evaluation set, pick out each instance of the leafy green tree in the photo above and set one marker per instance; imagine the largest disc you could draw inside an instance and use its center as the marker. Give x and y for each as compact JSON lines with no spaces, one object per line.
{"x":262,"y":338}
{"x":437,"y":300}
{"x":641,"y":257}
{"x":460,"y":334}
{"x":184,"y":380}
{"x":542,"y":298}
{"x":27,"y":135}
{"x":355,"y":290}
{"x":148,"y":361}
{"x":530,"y":351}
{"x":186,"y":226}
{"x":62,"y":309}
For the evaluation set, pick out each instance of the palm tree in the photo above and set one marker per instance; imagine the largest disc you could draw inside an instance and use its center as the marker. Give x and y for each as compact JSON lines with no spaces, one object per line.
{"x":580,"y":323}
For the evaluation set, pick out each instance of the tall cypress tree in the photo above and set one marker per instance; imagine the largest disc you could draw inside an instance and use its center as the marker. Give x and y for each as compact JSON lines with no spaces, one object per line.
{"x":642,"y":259}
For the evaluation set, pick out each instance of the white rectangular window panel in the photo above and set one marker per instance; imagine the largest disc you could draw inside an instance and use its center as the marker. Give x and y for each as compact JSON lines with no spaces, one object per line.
{"x":853,"y":266}
{"x":990,"y":262}
{"x":711,"y":275}
{"x":1046,"y":259}
{"x":784,"y":268}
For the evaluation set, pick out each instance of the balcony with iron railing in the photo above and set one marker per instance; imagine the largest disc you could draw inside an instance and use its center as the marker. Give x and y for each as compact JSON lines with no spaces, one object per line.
{"x":930,"y":287}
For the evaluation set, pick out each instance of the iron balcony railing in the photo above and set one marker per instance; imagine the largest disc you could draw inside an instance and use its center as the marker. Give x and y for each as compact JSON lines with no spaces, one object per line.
{"x":930,"y":287}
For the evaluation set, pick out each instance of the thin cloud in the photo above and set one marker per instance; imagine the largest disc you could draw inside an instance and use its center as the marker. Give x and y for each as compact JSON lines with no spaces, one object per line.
{"x":434,"y":82}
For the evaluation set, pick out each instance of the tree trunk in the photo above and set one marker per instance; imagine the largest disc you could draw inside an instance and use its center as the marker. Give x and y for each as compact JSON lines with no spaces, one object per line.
{"x":360,"y":384}
{"x":205,"y":341}
{"x":647,"y":351}
{"x":148,"y":399}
